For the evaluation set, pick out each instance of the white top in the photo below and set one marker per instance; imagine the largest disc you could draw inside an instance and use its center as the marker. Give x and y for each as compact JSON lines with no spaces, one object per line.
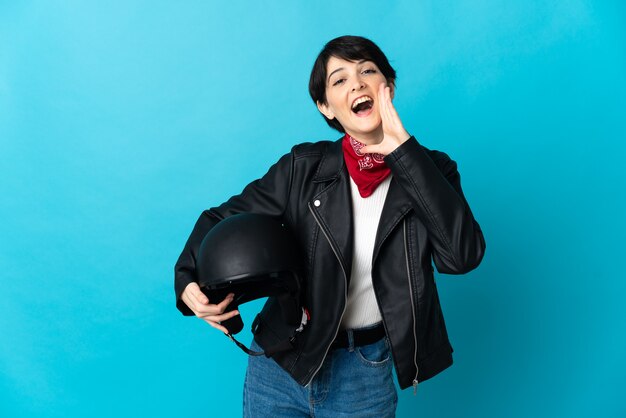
{"x":362,"y":308}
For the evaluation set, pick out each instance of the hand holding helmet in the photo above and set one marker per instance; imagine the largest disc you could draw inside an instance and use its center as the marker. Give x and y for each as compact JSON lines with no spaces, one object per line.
{"x":212,"y":314}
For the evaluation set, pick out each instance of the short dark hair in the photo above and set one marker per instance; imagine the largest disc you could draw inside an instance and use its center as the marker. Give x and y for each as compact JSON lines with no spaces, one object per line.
{"x":351,"y":48}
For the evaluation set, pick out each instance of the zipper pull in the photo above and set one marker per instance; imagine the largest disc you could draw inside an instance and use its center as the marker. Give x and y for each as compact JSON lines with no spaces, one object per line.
{"x":415,"y":382}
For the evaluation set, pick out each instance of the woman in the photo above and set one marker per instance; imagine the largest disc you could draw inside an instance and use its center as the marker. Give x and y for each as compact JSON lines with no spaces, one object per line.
{"x":373,"y":211}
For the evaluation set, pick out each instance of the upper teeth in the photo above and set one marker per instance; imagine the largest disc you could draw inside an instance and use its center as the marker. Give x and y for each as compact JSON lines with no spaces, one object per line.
{"x":361,"y":100}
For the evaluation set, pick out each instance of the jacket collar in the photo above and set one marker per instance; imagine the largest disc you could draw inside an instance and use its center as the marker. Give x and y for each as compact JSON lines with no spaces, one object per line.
{"x":332,"y":164}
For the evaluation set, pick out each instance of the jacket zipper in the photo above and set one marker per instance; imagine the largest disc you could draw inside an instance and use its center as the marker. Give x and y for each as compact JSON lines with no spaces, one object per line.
{"x":345,"y":301}
{"x":408,"y":274}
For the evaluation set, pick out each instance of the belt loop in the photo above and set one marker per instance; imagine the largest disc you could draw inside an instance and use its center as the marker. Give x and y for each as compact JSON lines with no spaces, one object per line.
{"x":350,"y":334}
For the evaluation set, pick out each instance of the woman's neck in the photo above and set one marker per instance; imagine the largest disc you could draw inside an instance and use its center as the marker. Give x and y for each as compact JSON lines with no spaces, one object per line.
{"x":371,"y":138}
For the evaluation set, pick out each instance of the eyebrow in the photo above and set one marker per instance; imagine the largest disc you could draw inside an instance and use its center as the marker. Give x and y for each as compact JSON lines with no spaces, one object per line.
{"x":341,"y":68}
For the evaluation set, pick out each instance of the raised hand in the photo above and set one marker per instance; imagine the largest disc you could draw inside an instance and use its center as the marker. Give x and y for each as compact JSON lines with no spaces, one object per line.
{"x":394,"y":133}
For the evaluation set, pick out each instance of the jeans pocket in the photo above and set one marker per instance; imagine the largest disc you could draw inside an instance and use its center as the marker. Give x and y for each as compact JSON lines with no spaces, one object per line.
{"x":374,"y":355}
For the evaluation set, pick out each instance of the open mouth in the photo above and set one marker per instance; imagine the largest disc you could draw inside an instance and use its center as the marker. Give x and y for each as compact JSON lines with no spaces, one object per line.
{"x":362,"y":105}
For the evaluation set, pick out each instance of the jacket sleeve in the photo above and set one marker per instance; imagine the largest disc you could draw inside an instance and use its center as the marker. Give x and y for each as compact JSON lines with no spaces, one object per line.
{"x":268,"y":195}
{"x":434,"y":185}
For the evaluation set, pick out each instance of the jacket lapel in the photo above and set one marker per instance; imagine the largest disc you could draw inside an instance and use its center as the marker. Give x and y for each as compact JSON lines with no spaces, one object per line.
{"x":397,"y":205}
{"x":332,"y":205}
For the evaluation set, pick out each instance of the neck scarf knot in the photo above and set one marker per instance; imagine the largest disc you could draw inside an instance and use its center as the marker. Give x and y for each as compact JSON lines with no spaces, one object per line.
{"x":367,"y":170}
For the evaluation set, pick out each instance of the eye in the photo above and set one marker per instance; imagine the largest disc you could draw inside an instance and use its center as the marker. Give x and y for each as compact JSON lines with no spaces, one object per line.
{"x":339,"y":81}
{"x":369,"y":71}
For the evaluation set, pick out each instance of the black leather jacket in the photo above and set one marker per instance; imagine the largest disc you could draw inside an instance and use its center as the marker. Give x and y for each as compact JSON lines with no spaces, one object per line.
{"x":425,"y":218}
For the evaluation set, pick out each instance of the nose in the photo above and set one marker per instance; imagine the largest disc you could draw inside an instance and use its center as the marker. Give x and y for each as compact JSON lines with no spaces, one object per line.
{"x":358,"y":84}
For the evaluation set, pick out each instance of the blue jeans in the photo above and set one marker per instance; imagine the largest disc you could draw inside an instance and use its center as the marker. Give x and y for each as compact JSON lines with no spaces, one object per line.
{"x":353,"y":382}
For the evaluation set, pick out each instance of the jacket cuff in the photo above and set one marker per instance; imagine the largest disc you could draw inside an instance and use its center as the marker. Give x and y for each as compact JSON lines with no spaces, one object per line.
{"x":179,"y":286}
{"x":404,"y":148}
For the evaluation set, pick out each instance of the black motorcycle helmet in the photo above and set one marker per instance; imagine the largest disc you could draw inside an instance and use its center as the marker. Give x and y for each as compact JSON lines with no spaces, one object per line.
{"x":252,"y":256}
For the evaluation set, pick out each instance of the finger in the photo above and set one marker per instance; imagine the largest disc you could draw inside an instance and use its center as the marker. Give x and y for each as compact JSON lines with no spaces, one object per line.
{"x":389,"y":107}
{"x":386,"y":114}
{"x":188,"y":302}
{"x":208,"y":310}
{"x":381,"y":111}
{"x":393,"y":113}
{"x":381,"y":101}
{"x":371,"y":149}
{"x":217,"y":326}
{"x":203,"y":311}
{"x":212,"y":309}
{"x":191,"y":301}
{"x":191,"y":293}
{"x":200,"y":297}
{"x":193,"y":298}
{"x":222,"y":317}
{"x":227,"y":300}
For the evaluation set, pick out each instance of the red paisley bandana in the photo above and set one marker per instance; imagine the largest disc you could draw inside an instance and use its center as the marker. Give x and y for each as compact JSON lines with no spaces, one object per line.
{"x":367,"y":170}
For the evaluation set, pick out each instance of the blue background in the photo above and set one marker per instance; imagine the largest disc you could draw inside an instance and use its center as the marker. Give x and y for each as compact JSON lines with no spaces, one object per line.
{"x":120,"y":121}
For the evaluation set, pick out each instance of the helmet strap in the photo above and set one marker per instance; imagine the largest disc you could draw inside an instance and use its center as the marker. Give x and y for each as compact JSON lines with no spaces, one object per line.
{"x":243,"y":347}
{"x":281,"y":346}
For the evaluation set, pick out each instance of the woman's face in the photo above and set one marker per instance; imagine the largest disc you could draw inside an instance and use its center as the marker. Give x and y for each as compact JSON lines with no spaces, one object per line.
{"x":352,"y":98}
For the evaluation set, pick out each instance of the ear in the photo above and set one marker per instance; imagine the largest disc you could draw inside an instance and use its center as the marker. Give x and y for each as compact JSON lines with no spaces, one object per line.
{"x":325,"y":110}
